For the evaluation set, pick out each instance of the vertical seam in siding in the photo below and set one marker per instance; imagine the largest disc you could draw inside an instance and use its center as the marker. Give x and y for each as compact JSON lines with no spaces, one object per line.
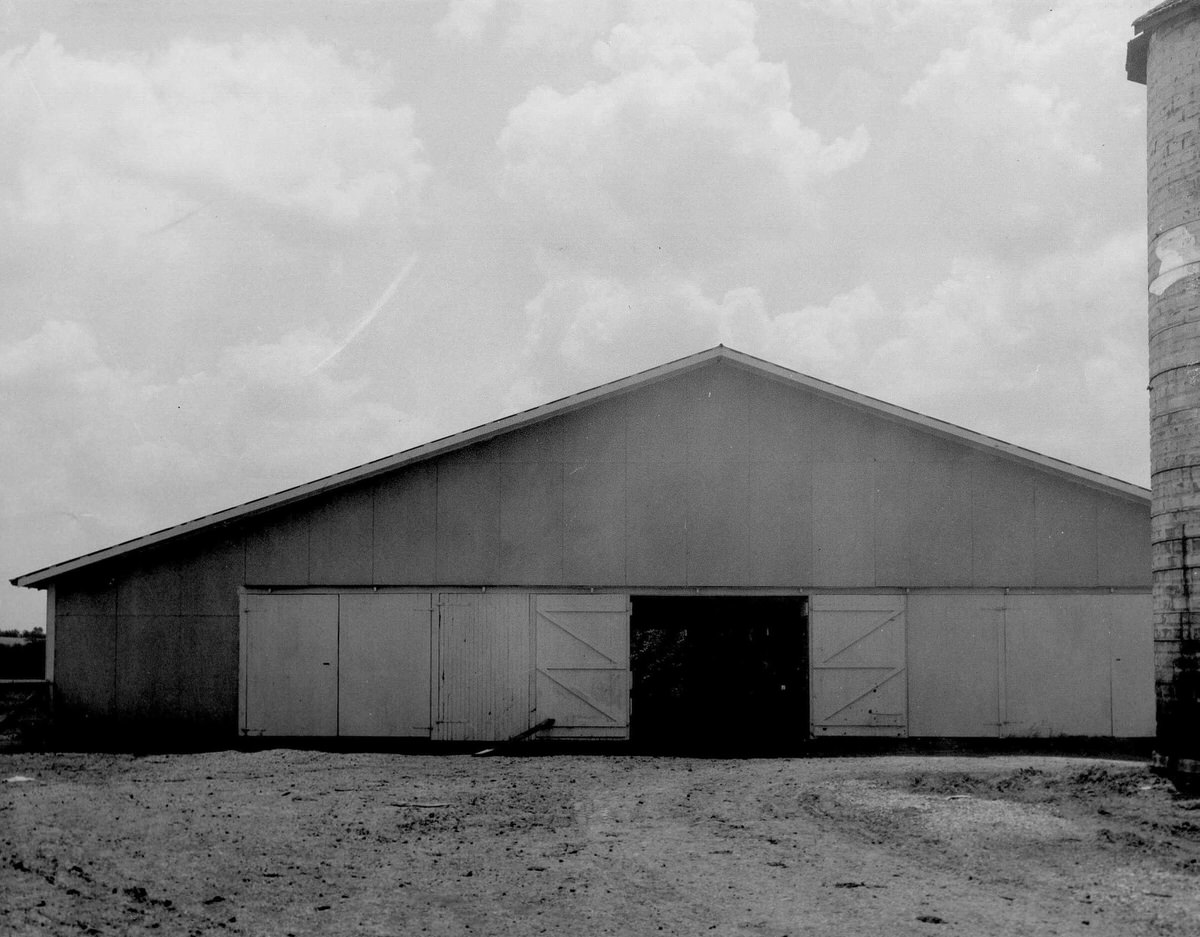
{"x":1002,"y":668}
{"x":531,"y":668}
{"x":243,"y":662}
{"x":874,"y":464}
{"x":116,"y":647}
{"x":972,"y":468}
{"x":308,"y":571}
{"x":624,"y":494}
{"x":1112,"y":725}
{"x":907,"y":669}
{"x":437,"y":523}
{"x":1037,"y":536}
{"x":495,"y":563}
{"x":813,"y":516}
{"x":693,"y":388}
{"x":500,"y":489}
{"x":337,"y":666}
{"x":562,"y":518}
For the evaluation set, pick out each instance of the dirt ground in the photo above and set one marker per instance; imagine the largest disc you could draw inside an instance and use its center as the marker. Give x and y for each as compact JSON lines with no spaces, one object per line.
{"x":289,"y":842}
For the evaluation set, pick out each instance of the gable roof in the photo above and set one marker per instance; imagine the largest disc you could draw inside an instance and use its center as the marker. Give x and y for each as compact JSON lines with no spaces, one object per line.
{"x":719,"y":354}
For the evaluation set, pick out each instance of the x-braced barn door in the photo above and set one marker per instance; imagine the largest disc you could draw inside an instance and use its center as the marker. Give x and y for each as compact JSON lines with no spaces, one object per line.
{"x":582,"y":647}
{"x":858,"y":665}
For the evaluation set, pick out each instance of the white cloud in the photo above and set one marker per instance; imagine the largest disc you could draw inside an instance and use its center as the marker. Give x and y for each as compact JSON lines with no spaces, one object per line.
{"x":200,"y":196}
{"x":137,"y":453}
{"x":554,"y":27}
{"x":668,"y":32}
{"x":541,"y":27}
{"x":692,"y":141}
{"x":125,"y":144}
{"x":465,"y":20}
{"x":1032,"y":94}
{"x":901,"y":14}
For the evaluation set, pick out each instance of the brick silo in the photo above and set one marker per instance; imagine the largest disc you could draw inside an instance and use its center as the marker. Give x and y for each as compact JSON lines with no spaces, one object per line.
{"x":1165,"y":56}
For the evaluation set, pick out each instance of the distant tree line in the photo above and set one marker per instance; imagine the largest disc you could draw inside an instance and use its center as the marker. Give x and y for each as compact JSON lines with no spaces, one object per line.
{"x":22,"y":654}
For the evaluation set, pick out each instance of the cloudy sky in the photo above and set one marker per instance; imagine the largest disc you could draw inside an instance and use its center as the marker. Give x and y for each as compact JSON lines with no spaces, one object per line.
{"x":244,"y":245}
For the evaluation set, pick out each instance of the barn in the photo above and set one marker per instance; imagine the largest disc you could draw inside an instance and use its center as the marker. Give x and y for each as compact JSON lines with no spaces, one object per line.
{"x":716,"y":547}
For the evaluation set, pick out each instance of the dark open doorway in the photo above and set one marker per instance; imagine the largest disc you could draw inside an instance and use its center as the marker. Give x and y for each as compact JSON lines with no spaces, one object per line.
{"x":719,"y":673}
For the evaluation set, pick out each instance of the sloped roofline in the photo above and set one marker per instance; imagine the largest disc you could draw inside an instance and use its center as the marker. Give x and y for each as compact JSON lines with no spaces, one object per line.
{"x":368,"y":470}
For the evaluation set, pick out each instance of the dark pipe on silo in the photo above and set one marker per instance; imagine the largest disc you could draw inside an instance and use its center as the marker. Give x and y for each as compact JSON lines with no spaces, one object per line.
{"x":1165,"y":57}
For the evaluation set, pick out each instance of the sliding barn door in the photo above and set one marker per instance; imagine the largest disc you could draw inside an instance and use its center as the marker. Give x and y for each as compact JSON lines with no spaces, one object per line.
{"x":355,"y":664}
{"x":289,"y":665}
{"x":583,"y":675}
{"x":483,"y":666}
{"x":384,"y":664}
{"x":859,"y":685}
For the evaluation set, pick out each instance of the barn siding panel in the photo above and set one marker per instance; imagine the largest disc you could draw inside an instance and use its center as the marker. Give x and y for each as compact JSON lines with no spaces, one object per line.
{"x":341,"y":538}
{"x":940,"y":516}
{"x":405,"y":525}
{"x":656,"y":523}
{"x":531,"y":522}
{"x":844,"y":524}
{"x":151,"y":675}
{"x":893,"y":523}
{"x":657,"y":427}
{"x":468,"y":521}
{"x":152,"y":588}
{"x":595,"y":434}
{"x":1003,"y":517}
{"x":719,"y":425}
{"x":895,"y":442}
{"x":1122,"y":543}
{"x":1065,"y":547}
{"x":779,"y":422}
{"x":781,"y":524}
{"x":86,"y":597}
{"x":277,"y":550}
{"x":210,"y":644}
{"x":542,"y":442}
{"x":718,"y":532}
{"x":85,"y":649}
{"x":178,"y":669}
{"x":594,"y":523}
{"x":841,"y":433}
{"x":210,"y":573}
{"x":954,"y":646}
